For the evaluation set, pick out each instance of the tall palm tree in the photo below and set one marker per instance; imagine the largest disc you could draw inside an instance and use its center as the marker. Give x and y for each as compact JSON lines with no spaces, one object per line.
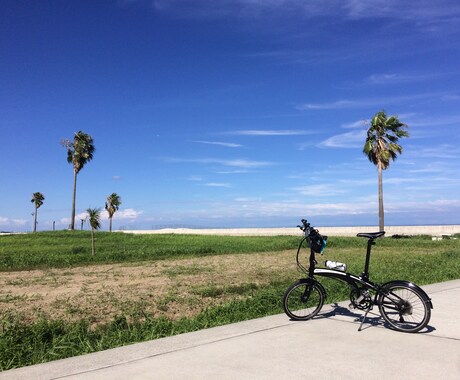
{"x":37,"y":200}
{"x":382,"y":146}
{"x":112,"y":205}
{"x":79,"y":152}
{"x":94,"y":218}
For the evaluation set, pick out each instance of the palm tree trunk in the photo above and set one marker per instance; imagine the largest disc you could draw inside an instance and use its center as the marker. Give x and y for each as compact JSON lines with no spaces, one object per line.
{"x":381,"y":212}
{"x":92,"y":242}
{"x":72,"y":220}
{"x":35,"y":219}
{"x":110,"y":224}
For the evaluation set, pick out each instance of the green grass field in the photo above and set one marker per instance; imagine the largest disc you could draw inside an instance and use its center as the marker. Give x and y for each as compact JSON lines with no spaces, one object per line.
{"x":418,"y":259}
{"x":66,"y":248}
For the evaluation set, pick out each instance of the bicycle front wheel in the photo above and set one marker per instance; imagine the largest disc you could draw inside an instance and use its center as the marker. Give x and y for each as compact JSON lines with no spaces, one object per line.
{"x":303,"y":300}
{"x":404,"y":307}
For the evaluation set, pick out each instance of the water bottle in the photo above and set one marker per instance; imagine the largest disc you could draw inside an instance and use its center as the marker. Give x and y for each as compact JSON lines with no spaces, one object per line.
{"x":335,"y":265}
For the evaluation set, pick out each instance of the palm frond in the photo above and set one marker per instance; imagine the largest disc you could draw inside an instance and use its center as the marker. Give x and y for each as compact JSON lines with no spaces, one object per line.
{"x":94,"y":218}
{"x":38,"y":199}
{"x":381,"y":145}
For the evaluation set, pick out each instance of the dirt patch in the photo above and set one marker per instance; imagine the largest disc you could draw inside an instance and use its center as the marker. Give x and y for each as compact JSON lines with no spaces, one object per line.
{"x":172,"y":288}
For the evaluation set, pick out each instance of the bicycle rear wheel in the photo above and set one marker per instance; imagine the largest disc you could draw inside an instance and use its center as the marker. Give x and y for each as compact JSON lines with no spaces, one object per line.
{"x":303,"y":300}
{"x":404,"y":307}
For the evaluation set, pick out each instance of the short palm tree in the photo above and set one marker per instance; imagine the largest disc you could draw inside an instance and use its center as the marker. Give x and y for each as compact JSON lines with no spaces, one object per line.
{"x":112,"y":205}
{"x":37,"y":200}
{"x":79,"y":152}
{"x":382,"y":146}
{"x":94,"y":218}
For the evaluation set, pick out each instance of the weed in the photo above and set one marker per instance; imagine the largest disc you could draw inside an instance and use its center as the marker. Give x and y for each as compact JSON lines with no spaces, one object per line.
{"x":181,"y":270}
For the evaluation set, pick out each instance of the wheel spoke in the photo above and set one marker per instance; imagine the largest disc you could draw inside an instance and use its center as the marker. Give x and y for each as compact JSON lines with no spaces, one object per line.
{"x":303,"y":300}
{"x":404,"y":308}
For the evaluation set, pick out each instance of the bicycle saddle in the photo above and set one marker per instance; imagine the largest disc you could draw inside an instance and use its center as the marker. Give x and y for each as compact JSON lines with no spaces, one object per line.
{"x":371,"y":235}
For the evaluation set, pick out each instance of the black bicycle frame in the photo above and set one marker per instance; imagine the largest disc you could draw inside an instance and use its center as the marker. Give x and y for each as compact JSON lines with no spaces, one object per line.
{"x":348,"y":278}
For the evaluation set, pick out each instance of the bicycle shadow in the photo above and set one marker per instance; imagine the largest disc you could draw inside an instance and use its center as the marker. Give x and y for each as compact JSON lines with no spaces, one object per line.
{"x":373,"y":319}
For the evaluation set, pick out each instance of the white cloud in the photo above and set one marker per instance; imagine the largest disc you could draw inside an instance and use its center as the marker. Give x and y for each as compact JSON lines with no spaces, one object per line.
{"x":384,"y":78}
{"x":391,"y":79}
{"x":285,"y":132}
{"x":224,"y":144}
{"x":403,"y":10}
{"x":217,"y":184}
{"x":355,"y":124}
{"x":322,"y":190}
{"x":242,"y":163}
{"x":127,"y":213}
{"x":354,"y":139}
{"x":124,"y":214}
{"x":237,"y":162}
{"x":444,"y":151}
{"x":409,"y":10}
{"x":78,"y":218}
{"x":19,"y":222}
{"x":13,"y":222}
{"x":376,"y":102}
{"x":339,"y":104}
{"x":239,"y":171}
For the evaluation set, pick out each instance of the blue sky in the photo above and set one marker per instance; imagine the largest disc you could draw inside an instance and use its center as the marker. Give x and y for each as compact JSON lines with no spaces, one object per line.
{"x":230,"y":113}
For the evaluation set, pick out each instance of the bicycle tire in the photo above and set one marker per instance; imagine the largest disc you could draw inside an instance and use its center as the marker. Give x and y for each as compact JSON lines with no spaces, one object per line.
{"x":404,"y":307}
{"x":303,"y":300}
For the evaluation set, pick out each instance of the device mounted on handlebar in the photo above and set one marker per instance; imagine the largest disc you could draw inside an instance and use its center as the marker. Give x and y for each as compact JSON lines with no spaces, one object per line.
{"x":315,"y":240}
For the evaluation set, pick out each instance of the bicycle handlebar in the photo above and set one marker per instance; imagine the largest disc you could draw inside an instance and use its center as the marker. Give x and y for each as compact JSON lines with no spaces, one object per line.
{"x":305,"y":225}
{"x":316,"y":241}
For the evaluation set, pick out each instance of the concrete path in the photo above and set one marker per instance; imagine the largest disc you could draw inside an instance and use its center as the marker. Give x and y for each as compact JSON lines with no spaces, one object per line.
{"x":327,"y":347}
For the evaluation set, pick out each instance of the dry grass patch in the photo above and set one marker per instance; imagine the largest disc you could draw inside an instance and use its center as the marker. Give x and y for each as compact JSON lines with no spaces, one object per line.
{"x":172,"y":288}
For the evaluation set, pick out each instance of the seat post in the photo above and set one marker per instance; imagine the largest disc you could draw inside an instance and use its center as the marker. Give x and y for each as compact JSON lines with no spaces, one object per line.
{"x":365,"y":274}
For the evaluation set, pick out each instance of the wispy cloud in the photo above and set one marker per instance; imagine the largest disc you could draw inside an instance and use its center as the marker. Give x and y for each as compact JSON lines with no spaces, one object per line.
{"x":409,"y":10}
{"x":238,"y":171}
{"x":122,"y":214}
{"x":267,"y":132}
{"x":237,"y":162}
{"x":219,"y":143}
{"x":398,"y":78}
{"x":321,"y":190}
{"x":355,"y":124}
{"x":217,"y":184}
{"x":375,"y":102}
{"x":127,"y":213}
{"x":354,"y":139}
{"x":13,"y":222}
{"x":402,"y":10}
{"x":242,"y":163}
{"x":444,"y":151}
{"x":338,"y":104}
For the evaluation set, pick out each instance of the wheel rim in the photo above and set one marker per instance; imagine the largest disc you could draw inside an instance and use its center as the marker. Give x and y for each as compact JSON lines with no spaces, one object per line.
{"x":303,"y":301}
{"x":404,"y":309}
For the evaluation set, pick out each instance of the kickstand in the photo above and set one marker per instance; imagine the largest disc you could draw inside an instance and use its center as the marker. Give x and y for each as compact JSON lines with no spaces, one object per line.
{"x":364,"y":317}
